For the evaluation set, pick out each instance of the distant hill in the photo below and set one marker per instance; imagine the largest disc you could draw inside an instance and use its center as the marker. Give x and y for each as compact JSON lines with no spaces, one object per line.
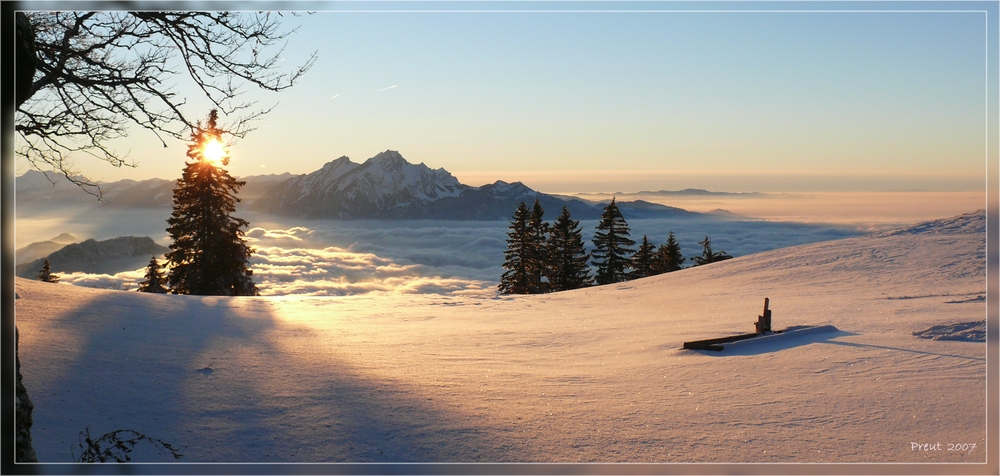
{"x":694,"y":192}
{"x":124,"y":253}
{"x":41,"y":249}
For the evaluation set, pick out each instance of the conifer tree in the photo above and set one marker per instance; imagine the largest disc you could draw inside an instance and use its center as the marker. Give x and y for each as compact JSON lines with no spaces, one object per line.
{"x":538,"y":229}
{"x":642,"y":261}
{"x":567,"y":259}
{"x":209,"y":254}
{"x":519,"y":277}
{"x":707,"y":255}
{"x":155,"y":281}
{"x":611,"y":246}
{"x":668,"y":258}
{"x":45,"y":274}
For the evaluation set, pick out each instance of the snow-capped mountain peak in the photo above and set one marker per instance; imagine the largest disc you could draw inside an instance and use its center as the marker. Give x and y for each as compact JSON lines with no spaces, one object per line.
{"x":388,"y":175}
{"x":345,"y":189}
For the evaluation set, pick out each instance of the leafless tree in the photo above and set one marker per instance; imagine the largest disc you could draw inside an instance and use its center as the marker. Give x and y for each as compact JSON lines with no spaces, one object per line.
{"x":85,"y":78}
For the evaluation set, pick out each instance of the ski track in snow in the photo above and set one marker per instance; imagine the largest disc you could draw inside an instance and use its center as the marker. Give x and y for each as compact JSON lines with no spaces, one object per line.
{"x":592,"y":375}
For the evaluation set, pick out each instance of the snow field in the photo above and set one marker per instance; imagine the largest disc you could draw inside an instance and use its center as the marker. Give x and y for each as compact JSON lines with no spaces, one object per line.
{"x":592,"y":375}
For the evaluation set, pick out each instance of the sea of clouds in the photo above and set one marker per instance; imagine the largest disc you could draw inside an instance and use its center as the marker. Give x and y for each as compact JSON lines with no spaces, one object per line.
{"x":337,"y":258}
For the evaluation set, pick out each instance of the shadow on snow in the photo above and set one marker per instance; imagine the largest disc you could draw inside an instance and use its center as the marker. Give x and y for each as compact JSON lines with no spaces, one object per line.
{"x":202,"y":375}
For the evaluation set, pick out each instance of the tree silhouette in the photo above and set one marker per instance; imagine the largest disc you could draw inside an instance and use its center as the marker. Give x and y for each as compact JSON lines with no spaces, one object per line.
{"x":642,"y":260}
{"x":538,"y":230}
{"x":83,"y":78}
{"x":567,"y":259}
{"x":707,"y":255}
{"x":155,"y":281}
{"x":45,"y":274}
{"x":209,"y":253}
{"x":668,"y":257}
{"x":611,"y":246}
{"x":518,"y":277}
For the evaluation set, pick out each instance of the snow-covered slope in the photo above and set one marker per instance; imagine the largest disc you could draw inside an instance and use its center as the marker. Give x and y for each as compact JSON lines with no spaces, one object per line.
{"x":595,"y":374}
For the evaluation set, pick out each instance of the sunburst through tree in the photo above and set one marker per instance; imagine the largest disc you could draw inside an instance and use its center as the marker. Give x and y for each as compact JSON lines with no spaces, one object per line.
{"x":209,"y":254}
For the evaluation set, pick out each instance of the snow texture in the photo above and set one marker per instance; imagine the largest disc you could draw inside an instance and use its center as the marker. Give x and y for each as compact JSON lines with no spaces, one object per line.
{"x":595,"y":374}
{"x":966,"y":331}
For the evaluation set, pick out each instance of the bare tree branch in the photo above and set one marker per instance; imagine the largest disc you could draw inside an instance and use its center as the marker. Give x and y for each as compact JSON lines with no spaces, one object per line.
{"x":95,"y":74}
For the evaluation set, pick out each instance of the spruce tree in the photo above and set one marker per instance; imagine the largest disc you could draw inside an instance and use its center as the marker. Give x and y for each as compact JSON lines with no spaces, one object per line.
{"x":707,"y":255}
{"x":45,"y":274}
{"x":537,"y":229}
{"x":642,"y":261}
{"x":209,"y":254}
{"x":155,"y":280}
{"x":519,"y":277}
{"x":611,"y":246}
{"x":567,"y":259}
{"x":668,"y":258}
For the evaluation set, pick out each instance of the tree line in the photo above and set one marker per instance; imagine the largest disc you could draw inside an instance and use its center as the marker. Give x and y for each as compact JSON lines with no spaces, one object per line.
{"x":543,"y":257}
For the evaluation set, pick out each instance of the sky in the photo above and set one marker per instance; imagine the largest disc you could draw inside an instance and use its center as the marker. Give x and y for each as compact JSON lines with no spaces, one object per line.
{"x":588,"y":101}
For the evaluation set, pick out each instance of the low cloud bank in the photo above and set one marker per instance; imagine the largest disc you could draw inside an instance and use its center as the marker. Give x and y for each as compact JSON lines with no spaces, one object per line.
{"x":334,"y":271}
{"x":125,"y":280}
{"x":438,"y":257}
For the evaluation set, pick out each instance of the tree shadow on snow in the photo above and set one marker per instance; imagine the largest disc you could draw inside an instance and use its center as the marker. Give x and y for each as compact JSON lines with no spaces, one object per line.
{"x":202,"y":374}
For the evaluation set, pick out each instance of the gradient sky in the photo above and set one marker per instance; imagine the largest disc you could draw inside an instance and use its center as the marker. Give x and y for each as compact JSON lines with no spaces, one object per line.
{"x":602,"y":101}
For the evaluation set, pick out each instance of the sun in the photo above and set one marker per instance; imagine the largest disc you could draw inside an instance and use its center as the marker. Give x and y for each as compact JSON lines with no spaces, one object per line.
{"x":214,"y":152}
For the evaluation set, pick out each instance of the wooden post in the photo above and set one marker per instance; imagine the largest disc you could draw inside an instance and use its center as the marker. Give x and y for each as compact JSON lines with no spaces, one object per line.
{"x":763,"y":323}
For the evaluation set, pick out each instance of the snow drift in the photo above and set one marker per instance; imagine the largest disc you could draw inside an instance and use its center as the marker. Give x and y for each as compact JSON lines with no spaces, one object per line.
{"x":595,"y":374}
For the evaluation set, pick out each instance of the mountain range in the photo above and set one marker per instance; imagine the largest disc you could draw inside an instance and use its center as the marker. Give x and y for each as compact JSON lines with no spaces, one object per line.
{"x":41,"y":190}
{"x":385,"y":186}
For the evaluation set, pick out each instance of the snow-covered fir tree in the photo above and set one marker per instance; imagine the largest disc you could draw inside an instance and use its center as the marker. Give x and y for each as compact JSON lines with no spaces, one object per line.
{"x":209,"y":254}
{"x":155,"y":281}
{"x":668,"y":257}
{"x":642,"y":261}
{"x":521,"y":243}
{"x":567,"y":266}
{"x":612,"y":254}
{"x":45,"y":274}
{"x":707,"y":255}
